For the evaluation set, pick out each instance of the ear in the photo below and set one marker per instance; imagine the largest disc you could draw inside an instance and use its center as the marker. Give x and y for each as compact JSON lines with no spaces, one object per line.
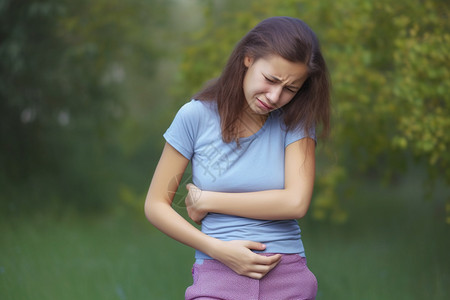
{"x":248,"y":61}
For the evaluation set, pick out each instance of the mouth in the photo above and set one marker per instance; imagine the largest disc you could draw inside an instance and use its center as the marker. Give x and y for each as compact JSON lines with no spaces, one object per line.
{"x":264,"y":105}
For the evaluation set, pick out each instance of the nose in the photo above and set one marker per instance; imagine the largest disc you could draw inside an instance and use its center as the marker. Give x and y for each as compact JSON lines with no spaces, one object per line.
{"x":274,"y":94}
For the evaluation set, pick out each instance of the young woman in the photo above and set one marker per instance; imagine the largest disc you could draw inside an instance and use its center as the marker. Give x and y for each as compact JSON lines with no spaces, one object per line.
{"x":250,"y":136}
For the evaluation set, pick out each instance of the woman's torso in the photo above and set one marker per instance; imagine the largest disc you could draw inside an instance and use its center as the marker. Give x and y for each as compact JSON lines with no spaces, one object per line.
{"x":257,"y":165}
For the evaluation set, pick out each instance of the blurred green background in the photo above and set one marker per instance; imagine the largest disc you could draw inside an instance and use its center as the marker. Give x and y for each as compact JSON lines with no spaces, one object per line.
{"x":88,"y":87}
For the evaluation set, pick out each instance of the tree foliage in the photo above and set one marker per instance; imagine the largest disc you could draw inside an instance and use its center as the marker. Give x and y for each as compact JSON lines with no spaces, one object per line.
{"x":390,"y":68}
{"x":63,"y":67}
{"x":81,"y":109}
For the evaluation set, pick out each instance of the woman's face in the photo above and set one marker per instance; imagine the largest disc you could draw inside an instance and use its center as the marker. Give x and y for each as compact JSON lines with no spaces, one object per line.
{"x":271,"y":82}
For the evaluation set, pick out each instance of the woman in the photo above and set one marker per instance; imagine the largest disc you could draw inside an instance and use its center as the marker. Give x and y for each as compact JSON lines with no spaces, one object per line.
{"x":250,"y":136}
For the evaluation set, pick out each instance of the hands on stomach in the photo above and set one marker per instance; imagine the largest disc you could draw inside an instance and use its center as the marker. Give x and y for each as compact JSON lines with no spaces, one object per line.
{"x":236,"y":254}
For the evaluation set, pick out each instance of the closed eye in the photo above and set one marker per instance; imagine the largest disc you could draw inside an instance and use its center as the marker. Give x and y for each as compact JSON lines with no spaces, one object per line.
{"x":292,"y":90}
{"x":270,"y":80}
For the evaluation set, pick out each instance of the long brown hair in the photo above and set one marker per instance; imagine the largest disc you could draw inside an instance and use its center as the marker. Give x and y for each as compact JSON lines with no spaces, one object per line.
{"x":293,"y":40}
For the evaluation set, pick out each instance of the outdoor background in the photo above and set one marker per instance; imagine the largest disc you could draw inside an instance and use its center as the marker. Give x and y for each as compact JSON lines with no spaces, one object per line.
{"x":88,"y":87}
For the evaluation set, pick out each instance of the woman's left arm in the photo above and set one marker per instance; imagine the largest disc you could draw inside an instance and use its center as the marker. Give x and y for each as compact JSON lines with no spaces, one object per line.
{"x":292,"y":202}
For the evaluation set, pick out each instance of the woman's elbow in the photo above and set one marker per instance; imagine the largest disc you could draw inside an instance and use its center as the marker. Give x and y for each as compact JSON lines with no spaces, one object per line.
{"x":300,"y":208}
{"x":147,"y":211}
{"x":150,"y":211}
{"x":299,"y":214}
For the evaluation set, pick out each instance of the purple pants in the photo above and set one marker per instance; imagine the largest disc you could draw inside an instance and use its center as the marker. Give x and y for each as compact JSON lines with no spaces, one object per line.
{"x":289,"y":280}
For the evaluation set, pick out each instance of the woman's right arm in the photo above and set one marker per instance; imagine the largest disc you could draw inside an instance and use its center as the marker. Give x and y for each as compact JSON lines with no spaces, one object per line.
{"x":237,"y":255}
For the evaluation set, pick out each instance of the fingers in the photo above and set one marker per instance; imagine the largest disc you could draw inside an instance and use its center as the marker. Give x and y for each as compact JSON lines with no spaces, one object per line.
{"x":272,"y":260}
{"x":260,"y":264}
{"x":257,"y":266}
{"x":260,"y":269}
{"x":266,"y":260}
{"x":258,"y":274}
{"x":192,"y":200}
{"x":254,"y":245}
{"x":194,"y":194}
{"x":238,"y":256}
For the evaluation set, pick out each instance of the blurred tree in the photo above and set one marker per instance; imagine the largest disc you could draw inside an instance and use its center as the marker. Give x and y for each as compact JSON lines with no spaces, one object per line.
{"x":390,"y":69}
{"x":63,"y":68}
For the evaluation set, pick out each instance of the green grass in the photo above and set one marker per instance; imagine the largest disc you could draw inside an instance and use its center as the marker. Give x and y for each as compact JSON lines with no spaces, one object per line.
{"x":394,"y":246}
{"x":107,"y":257}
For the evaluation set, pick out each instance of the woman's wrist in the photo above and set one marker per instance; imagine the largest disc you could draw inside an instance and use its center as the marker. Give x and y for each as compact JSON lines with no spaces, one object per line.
{"x":213,"y":247}
{"x":202,"y":203}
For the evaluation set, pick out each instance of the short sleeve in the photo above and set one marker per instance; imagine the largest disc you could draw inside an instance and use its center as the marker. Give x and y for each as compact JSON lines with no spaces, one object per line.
{"x":181,"y":134}
{"x":299,"y":133}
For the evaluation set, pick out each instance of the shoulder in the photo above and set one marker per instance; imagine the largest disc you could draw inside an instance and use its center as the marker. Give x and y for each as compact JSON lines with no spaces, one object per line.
{"x":195,"y":115}
{"x":196,"y":109}
{"x":296,"y":132}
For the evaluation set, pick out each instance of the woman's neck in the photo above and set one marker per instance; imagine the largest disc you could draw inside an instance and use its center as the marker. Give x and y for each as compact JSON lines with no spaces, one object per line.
{"x":249,"y":123}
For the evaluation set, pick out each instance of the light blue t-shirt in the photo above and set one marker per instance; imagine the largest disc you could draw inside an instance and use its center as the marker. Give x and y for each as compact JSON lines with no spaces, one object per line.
{"x":258,"y":164}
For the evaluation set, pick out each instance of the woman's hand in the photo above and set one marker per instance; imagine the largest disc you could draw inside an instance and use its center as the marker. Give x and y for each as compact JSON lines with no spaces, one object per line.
{"x":237,"y":255}
{"x":192,"y":201}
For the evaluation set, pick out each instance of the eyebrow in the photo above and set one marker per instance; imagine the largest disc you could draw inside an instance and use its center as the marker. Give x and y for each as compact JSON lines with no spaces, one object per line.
{"x":279,"y":80}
